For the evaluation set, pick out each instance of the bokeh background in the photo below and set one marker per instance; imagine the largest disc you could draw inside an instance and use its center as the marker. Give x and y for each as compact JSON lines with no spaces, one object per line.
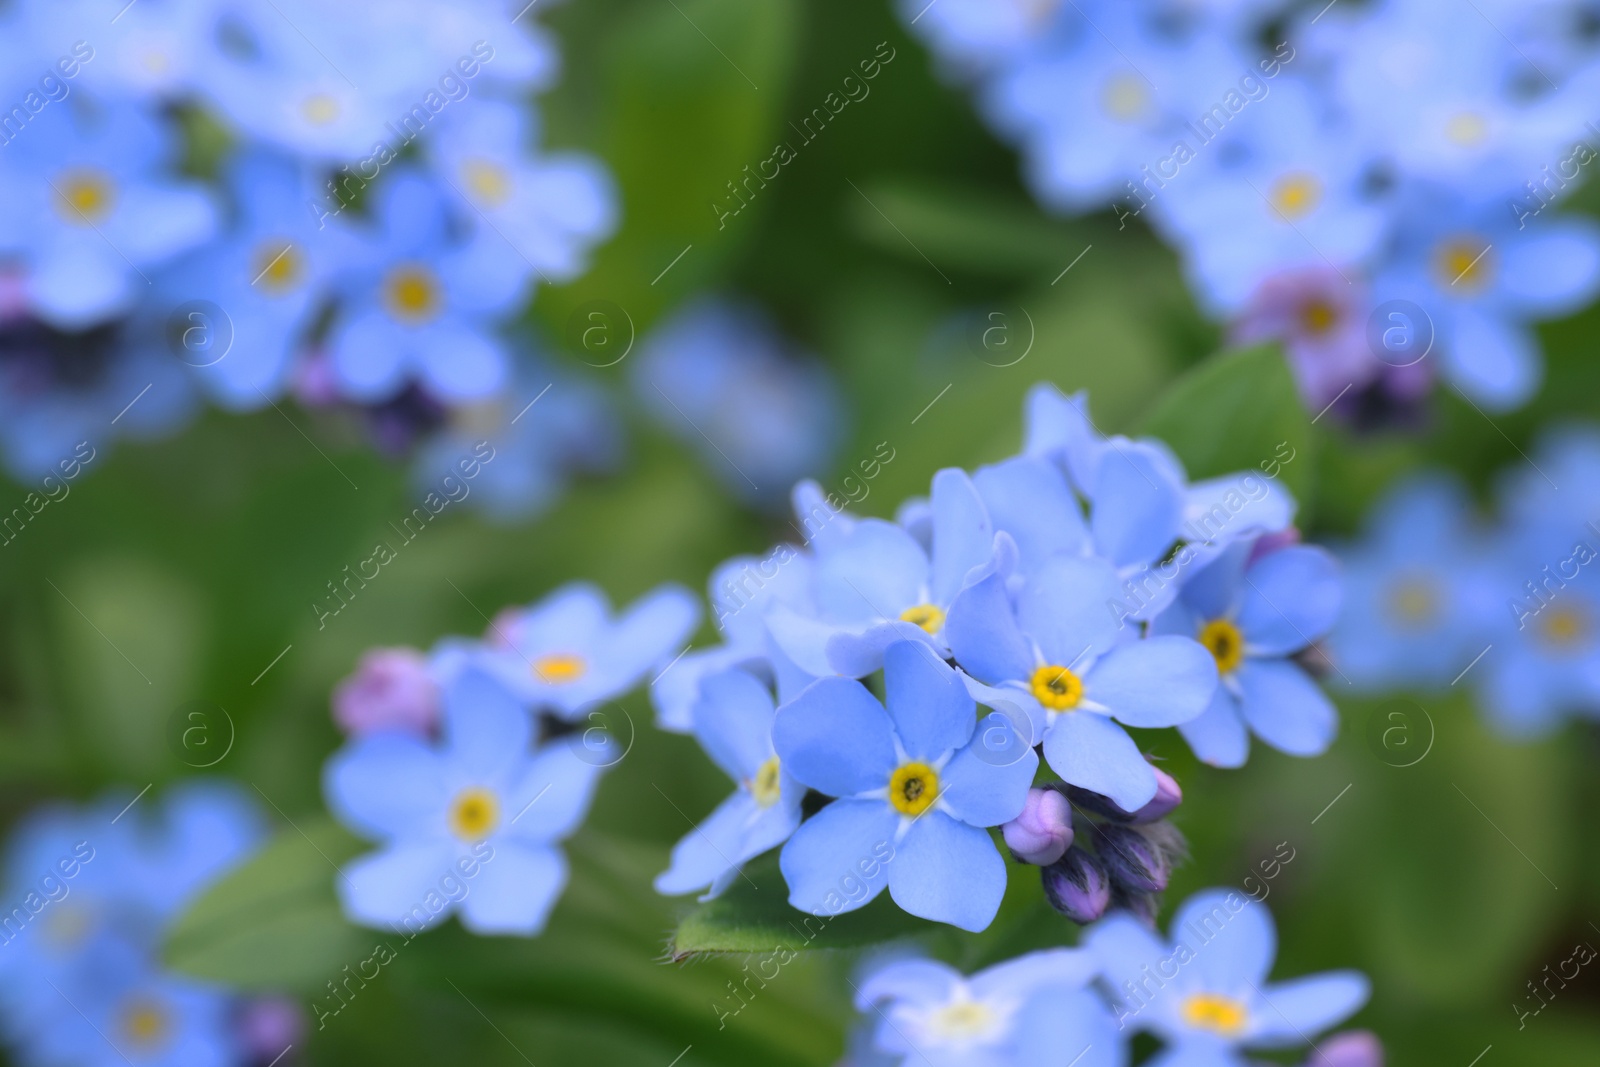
{"x":178,"y":569}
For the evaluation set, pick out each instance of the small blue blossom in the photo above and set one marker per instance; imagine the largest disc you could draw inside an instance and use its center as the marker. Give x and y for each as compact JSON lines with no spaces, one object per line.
{"x":1252,"y":613}
{"x":915,"y":794}
{"x":484,"y":808}
{"x":1031,"y":1010}
{"x":1206,"y":994}
{"x":733,"y":723}
{"x":1058,"y":656}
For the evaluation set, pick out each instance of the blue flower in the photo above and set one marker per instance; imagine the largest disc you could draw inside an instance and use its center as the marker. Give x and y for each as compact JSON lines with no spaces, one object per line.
{"x":875,"y":583}
{"x":268,"y":276}
{"x":566,"y":652}
{"x":914,"y":794}
{"x":1206,"y":993}
{"x":1252,"y":614}
{"x":1480,"y":275}
{"x":733,"y":723}
{"x":719,"y":376}
{"x":1411,"y":617}
{"x":412,"y":308}
{"x":1058,"y":657}
{"x":1027,"y":1011}
{"x":482,"y":812}
{"x":94,"y":207}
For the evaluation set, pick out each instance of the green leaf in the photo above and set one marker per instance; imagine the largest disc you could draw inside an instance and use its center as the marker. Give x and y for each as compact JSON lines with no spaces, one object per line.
{"x":754,"y":915}
{"x":274,"y":923}
{"x":1238,"y":411}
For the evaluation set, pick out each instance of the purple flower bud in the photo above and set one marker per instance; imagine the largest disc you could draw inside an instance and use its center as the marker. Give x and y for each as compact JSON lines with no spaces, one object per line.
{"x":1090,"y":801}
{"x":1143,"y":906}
{"x":1352,"y":1048}
{"x":268,"y":1025}
{"x":1168,"y":796}
{"x":390,"y":690}
{"x":1134,"y":862}
{"x":1076,"y":885}
{"x":1043,"y":832}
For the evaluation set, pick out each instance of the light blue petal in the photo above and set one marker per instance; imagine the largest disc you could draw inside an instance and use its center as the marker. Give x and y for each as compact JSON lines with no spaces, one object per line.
{"x":858,"y":653}
{"x":733,"y":722}
{"x":927,"y":701}
{"x":514,"y":891}
{"x":1091,"y":751}
{"x":1029,"y":499}
{"x":802,"y":639}
{"x":916,"y":980}
{"x":1285,"y":708}
{"x":1122,"y":946}
{"x":459,"y":362}
{"x":1493,"y":361}
{"x":675,"y":691}
{"x":1232,"y":938}
{"x":874,"y":572}
{"x":1065,"y":606}
{"x":1052,"y":968}
{"x":368,"y":356}
{"x":963,"y":536}
{"x":1070,"y":1029}
{"x":1058,"y":427}
{"x":486,"y":730}
{"x":1218,"y":736}
{"x":1159,"y":681}
{"x":551,"y":798}
{"x":1017,"y":722}
{"x":1289,"y":1012}
{"x":983,"y":633}
{"x":1290,"y":598}
{"x":710,"y":849}
{"x":1138,"y":503}
{"x":821,"y":526}
{"x":386,"y":785}
{"x":948,"y":872}
{"x":651,"y":631}
{"x":1214,"y":589}
{"x":1553,"y":270}
{"x":1235,"y":507}
{"x":385,"y":888}
{"x":984,"y":789}
{"x":839,"y":858}
{"x":836,"y":738}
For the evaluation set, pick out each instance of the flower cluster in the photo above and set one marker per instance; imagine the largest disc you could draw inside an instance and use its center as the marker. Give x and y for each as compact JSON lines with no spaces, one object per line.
{"x":1511,"y":607}
{"x":1366,"y":182}
{"x":472,"y":763}
{"x":1206,"y":996}
{"x":341,"y":202}
{"x":1077,"y":589}
{"x":88,"y":894}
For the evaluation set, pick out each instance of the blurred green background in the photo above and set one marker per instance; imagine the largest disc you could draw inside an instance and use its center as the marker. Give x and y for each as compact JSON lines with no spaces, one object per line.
{"x":1452,"y":882}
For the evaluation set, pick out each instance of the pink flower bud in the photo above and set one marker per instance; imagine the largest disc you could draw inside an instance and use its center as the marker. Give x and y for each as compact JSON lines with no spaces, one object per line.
{"x":1168,"y":796}
{"x":1043,"y":832}
{"x":390,"y":690}
{"x":1352,"y":1048}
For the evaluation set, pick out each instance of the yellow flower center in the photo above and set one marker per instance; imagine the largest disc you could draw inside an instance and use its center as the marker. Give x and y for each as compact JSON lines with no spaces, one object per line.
{"x":1057,"y":688}
{"x":1413,"y":601}
{"x":1318,"y":316}
{"x":1463,"y":263}
{"x":145,"y":1023}
{"x":1466,"y":128}
{"x":1564,"y":627}
{"x":489,"y":182}
{"x":1225,"y":643}
{"x":964,"y":1021}
{"x":765,"y":786}
{"x":156,"y":61}
{"x":474,"y":813}
{"x":926,"y":616}
{"x":1125,"y":97}
{"x":1295,"y":194}
{"x":913,"y":788}
{"x":412,"y":293}
{"x":84,"y":195}
{"x":67,"y":924}
{"x":277,"y":266}
{"x":319,"y":109}
{"x":1219,"y":1014}
{"x":558,"y":668}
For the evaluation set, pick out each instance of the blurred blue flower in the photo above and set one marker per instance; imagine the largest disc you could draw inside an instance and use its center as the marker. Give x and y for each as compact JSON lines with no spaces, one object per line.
{"x":483,"y":812}
{"x":733,"y":723}
{"x":567,"y":652}
{"x":1252,"y":613}
{"x":1030,"y":1010}
{"x":1205,"y":993}
{"x":94,"y":206}
{"x":719,"y":376}
{"x":914,"y":794}
{"x":1058,"y":656}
